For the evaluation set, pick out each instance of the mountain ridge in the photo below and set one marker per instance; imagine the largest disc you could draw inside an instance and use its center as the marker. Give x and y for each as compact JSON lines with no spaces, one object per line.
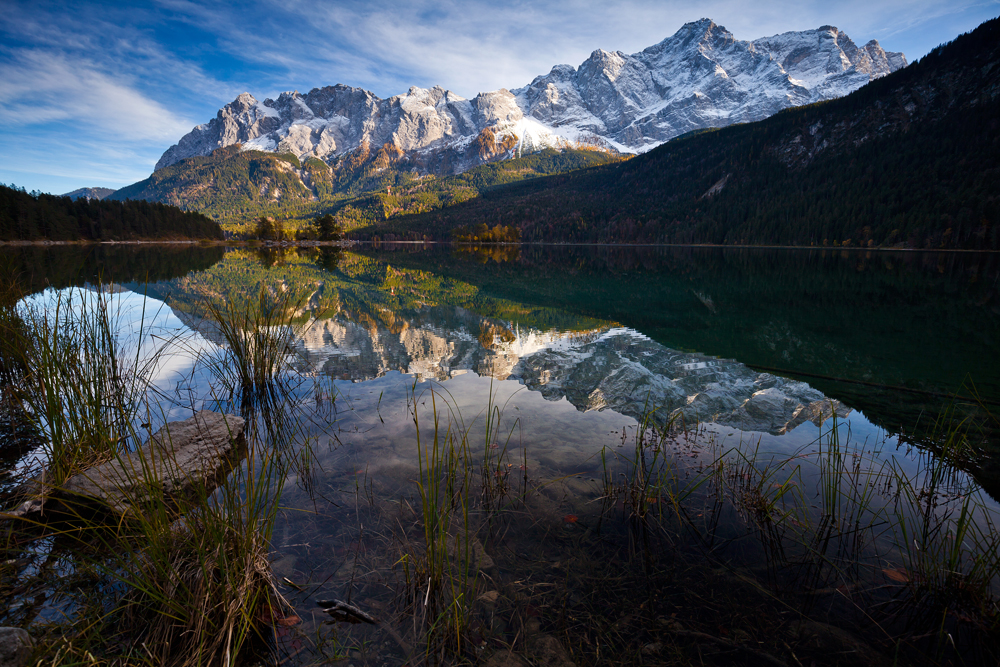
{"x":89,"y":193}
{"x":701,"y":76}
{"x":912,"y":158}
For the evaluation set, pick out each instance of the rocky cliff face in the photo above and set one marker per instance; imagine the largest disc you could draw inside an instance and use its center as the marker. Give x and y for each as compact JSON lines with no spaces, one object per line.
{"x":700,"y":77}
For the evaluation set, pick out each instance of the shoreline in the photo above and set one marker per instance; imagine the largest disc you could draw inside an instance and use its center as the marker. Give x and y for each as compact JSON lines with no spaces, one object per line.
{"x":348,"y":243}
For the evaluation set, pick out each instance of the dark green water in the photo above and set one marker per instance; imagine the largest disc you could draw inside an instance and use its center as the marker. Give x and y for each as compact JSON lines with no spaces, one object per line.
{"x":922,"y":321}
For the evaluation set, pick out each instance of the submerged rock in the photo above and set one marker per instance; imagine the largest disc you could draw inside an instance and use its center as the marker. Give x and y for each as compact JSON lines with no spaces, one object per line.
{"x":15,"y":647}
{"x":505,"y":659}
{"x":179,"y":464}
{"x":828,"y":640}
{"x":549,"y":651}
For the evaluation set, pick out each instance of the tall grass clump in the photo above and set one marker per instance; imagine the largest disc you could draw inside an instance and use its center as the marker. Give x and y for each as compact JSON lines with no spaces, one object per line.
{"x":200,"y":591}
{"x":948,"y":539}
{"x":444,"y":563}
{"x":441,"y":577}
{"x":650,"y":483}
{"x":495,"y":473}
{"x":182,"y":584}
{"x":84,"y":387}
{"x":258,"y":332}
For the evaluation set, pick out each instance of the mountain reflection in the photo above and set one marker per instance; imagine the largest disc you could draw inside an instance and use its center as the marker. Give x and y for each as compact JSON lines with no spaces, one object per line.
{"x":610,"y":367}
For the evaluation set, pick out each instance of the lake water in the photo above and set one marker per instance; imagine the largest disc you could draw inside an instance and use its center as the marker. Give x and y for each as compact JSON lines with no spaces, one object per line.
{"x":660,"y":442}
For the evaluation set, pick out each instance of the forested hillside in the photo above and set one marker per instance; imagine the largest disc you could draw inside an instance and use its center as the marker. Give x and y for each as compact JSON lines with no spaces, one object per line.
{"x":236,"y":187}
{"x":912,"y":158}
{"x":34,"y":216}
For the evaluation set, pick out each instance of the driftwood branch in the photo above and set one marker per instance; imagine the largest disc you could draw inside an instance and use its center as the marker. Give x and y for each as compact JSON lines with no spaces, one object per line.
{"x":346,"y":613}
{"x":343,"y":612}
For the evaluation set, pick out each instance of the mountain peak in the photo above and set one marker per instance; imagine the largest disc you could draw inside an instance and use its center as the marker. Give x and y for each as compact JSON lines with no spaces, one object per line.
{"x":701,"y":76}
{"x":89,"y":193}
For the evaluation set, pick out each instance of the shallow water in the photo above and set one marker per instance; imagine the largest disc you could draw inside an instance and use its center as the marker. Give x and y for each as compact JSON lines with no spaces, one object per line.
{"x":772,"y":373}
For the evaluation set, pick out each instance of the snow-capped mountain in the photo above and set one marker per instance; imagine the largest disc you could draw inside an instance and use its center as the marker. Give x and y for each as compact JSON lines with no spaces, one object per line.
{"x":700,"y":77}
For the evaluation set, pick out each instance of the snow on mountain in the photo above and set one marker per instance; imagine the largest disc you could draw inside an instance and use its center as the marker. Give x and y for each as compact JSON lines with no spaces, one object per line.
{"x":700,"y":77}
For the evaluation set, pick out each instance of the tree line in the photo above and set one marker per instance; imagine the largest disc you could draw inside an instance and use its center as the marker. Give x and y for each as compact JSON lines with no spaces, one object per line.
{"x":33,"y":216}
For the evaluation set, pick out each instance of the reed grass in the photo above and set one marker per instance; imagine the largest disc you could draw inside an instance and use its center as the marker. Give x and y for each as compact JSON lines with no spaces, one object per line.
{"x":916,"y":551}
{"x":447,"y":564}
{"x":201,"y":590}
{"x":191,"y":591}
{"x":443,"y":571}
{"x":948,"y":540}
{"x":84,"y":388}
{"x":258,"y":331}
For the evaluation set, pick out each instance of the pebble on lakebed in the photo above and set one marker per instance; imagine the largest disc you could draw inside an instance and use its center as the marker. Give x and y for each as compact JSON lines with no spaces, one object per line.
{"x":15,"y":647}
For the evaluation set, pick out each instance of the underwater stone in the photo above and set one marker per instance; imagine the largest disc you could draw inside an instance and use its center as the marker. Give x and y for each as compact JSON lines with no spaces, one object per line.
{"x":15,"y":647}
{"x":505,"y":659}
{"x":181,"y":463}
{"x":548,"y":651}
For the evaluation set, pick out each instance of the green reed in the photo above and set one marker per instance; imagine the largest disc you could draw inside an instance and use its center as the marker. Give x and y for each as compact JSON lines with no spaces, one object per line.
{"x":84,"y":389}
{"x":447,"y":565}
{"x":837,"y":518}
{"x":650,"y":481}
{"x":258,"y":331}
{"x":495,"y":472}
{"x":201,"y":590}
{"x":948,"y":540}
{"x":186,"y":585}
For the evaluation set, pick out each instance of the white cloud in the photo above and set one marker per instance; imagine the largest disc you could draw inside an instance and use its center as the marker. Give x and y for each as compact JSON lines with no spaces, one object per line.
{"x":481,"y":45}
{"x":41,"y":87}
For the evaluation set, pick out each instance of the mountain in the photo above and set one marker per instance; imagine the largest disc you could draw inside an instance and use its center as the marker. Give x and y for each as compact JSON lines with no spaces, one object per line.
{"x":700,"y":77}
{"x":911,"y":158}
{"x":89,"y":193}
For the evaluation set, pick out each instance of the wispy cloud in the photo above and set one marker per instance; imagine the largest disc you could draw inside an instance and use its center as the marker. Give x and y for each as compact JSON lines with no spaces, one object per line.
{"x":38,"y":87}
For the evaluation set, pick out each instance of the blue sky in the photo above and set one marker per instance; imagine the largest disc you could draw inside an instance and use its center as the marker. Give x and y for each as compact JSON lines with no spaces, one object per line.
{"x":92,"y":93}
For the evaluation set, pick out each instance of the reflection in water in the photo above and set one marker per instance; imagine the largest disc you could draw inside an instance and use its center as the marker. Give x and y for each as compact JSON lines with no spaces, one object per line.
{"x":599,"y":528}
{"x":611,"y":367}
{"x":485,"y":253}
{"x":604,"y":366}
{"x":39,"y":267}
{"x":855,"y":324}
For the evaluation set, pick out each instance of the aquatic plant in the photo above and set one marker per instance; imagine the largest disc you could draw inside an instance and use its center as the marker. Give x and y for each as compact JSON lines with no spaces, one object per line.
{"x":202,"y":592}
{"x":196,"y":590}
{"x":258,"y":331}
{"x":84,"y":388}
{"x":448,"y":562}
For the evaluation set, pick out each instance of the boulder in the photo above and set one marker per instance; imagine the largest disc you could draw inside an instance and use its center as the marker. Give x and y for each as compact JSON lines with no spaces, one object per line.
{"x":15,"y":647}
{"x":180,"y":463}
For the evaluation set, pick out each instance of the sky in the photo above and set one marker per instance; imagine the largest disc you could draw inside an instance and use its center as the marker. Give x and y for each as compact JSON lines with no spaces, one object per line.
{"x":92,"y":93}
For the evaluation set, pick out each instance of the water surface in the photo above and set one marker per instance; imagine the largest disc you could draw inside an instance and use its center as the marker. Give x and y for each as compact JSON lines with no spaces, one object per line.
{"x":552,"y":362}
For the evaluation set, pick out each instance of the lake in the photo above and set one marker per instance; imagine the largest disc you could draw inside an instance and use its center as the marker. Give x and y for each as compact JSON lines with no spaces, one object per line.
{"x":668,"y":454}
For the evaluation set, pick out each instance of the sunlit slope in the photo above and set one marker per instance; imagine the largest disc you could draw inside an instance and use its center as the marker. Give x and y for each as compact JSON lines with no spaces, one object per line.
{"x":363,"y":187}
